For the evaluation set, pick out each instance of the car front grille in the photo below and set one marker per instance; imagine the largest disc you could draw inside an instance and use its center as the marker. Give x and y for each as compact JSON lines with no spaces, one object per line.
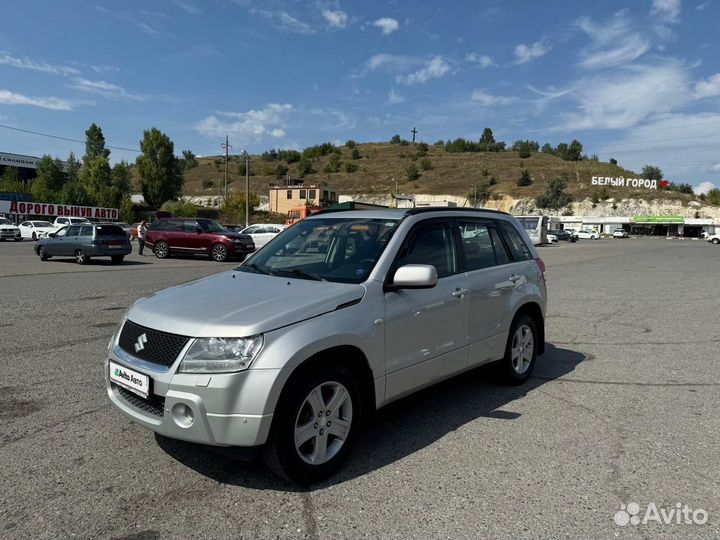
{"x":156,"y":347}
{"x":154,"y":405}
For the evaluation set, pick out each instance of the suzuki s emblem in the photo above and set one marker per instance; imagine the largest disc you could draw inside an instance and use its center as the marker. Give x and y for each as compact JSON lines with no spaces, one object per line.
{"x":140,"y":343}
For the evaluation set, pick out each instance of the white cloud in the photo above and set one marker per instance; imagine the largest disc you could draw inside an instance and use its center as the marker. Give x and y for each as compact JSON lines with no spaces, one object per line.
{"x":388,"y":25}
{"x":667,"y":10}
{"x":637,"y":92}
{"x":703,"y":6}
{"x":709,"y":87}
{"x":34,"y":65}
{"x":106,"y":90}
{"x":392,"y":62}
{"x":704,"y":187}
{"x":12,"y":98}
{"x":253,"y":125}
{"x":187,"y":7}
{"x":284,"y":21}
{"x":127,"y":17}
{"x":488,"y":100}
{"x":434,"y":69}
{"x":335,"y":19}
{"x":524,"y":53}
{"x":394,"y":98}
{"x":483,"y":60}
{"x":612,"y":43}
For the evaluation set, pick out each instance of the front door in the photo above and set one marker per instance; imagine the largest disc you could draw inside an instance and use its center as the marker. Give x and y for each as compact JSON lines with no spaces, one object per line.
{"x":426,"y":329}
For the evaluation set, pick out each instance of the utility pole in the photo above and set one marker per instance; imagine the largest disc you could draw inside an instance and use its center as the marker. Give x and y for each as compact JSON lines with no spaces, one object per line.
{"x":226,"y":146}
{"x":247,"y":188}
{"x":414,"y":132}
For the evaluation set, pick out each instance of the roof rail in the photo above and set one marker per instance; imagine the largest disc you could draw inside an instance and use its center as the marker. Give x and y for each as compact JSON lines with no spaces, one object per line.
{"x":423,"y":210}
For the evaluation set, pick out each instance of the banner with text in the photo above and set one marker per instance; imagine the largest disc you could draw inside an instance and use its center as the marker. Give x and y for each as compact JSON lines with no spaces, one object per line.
{"x":49,"y":209}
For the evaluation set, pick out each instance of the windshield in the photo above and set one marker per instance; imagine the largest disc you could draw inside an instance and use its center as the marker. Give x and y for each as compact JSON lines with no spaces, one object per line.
{"x":342,"y":250}
{"x":211,"y":226}
{"x":42,"y":224}
{"x":4,"y":221}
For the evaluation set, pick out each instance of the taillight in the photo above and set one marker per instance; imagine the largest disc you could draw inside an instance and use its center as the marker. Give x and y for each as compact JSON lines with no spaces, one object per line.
{"x":541,"y":265}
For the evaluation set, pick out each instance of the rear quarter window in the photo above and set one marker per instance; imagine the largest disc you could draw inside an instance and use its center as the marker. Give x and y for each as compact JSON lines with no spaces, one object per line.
{"x":516,"y":242}
{"x":109,"y":230}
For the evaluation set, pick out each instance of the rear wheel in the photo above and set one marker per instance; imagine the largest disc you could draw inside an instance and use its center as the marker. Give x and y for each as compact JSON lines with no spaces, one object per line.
{"x":80,"y":257}
{"x":315,"y":425}
{"x":520,"y":351}
{"x":218,"y":253}
{"x":117,"y":259}
{"x":34,"y":236}
{"x":162,"y":250}
{"x":716,"y":241}
{"x":43,"y":254}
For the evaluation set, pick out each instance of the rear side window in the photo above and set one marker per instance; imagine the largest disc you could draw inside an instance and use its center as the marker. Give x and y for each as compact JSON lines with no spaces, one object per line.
{"x":109,"y":230}
{"x":86,"y":230}
{"x":431,"y":244}
{"x":516,"y":243}
{"x":482,"y":245}
{"x":190,"y":226}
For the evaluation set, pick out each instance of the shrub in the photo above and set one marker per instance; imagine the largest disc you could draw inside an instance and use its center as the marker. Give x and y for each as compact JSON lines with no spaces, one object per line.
{"x":423,"y":147}
{"x":180,"y":208}
{"x":395,"y":139}
{"x":304,"y":167}
{"x":208,"y":184}
{"x":351,"y":167}
{"x":439,"y":142}
{"x":350,"y":143}
{"x":280,"y":171}
{"x":412,"y":173}
{"x":613,"y":161}
{"x":333,"y":164}
{"x":524,"y":179}
{"x":492,"y":181}
{"x":355,"y":154}
{"x":555,"y":196}
{"x":426,"y":164}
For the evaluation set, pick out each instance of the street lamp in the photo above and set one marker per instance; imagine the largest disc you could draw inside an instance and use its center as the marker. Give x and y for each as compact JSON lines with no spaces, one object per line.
{"x":247,"y":187}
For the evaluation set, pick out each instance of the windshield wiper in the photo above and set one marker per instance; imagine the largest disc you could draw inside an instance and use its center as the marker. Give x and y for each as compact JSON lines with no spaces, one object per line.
{"x":258,"y":268}
{"x":306,"y":275}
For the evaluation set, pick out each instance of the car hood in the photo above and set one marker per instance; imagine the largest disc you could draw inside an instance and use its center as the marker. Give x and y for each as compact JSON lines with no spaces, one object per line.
{"x":239,"y":304}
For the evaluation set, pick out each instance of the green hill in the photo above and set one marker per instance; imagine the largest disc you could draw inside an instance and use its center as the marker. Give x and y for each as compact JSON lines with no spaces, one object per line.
{"x":383,"y":168}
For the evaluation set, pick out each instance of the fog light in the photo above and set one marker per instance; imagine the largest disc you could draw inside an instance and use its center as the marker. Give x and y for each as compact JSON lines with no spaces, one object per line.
{"x":183,"y":415}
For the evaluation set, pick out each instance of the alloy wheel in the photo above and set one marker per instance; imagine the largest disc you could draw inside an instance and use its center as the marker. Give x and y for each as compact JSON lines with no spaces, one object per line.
{"x":522,"y":349}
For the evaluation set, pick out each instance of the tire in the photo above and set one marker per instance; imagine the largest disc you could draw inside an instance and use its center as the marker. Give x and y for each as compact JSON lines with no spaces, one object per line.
{"x":306,"y":398}
{"x":43,"y":254}
{"x":117,"y":259}
{"x":81,"y":258}
{"x":34,"y":236}
{"x":716,"y":241}
{"x":218,"y":252}
{"x":516,"y":367}
{"x":161,"y":250}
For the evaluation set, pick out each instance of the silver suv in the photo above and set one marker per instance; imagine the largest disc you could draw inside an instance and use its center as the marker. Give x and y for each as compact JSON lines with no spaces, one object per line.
{"x":337,"y":316}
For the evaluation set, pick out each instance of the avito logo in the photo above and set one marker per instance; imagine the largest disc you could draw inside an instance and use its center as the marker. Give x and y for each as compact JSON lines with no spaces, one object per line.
{"x":128,"y":377}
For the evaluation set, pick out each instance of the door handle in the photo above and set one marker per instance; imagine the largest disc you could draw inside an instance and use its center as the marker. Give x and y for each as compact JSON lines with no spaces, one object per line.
{"x":459,"y":293}
{"x":514,"y":278}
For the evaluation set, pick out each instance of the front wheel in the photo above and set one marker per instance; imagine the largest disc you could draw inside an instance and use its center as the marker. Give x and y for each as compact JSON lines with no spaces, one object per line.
{"x":218,"y":253}
{"x":34,"y":236}
{"x":162,"y":250}
{"x":80,"y":257}
{"x":716,"y":241}
{"x":315,"y":425}
{"x":520,"y":351}
{"x":43,"y":254}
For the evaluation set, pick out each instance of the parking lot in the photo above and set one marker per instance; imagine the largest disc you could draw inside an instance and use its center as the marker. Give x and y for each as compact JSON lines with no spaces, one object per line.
{"x":622,"y":408}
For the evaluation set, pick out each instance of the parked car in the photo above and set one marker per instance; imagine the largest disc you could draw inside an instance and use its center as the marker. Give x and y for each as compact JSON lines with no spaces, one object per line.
{"x":290,"y":352}
{"x":36,"y":229}
{"x":592,"y":235}
{"x":9,"y":231}
{"x":61,"y":222}
{"x":124,"y":226}
{"x":620,"y":233}
{"x":552,"y":239}
{"x":566,"y":235}
{"x":197,"y":236}
{"x":84,"y":241}
{"x":714,"y":238}
{"x":262,"y":233}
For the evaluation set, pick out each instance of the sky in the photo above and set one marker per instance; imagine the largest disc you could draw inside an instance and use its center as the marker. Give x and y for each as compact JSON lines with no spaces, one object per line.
{"x":635,"y":81}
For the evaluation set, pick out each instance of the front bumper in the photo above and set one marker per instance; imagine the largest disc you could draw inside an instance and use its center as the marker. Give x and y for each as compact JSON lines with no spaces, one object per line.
{"x":227,"y":408}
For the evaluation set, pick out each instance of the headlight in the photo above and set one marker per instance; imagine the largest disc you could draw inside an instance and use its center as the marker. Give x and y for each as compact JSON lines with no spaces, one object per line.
{"x":221,"y":355}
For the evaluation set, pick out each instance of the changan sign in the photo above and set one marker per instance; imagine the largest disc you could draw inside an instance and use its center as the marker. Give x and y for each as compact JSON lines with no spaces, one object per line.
{"x":47,"y":209}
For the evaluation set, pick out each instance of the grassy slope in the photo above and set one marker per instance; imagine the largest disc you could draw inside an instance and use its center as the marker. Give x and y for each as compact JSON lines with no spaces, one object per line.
{"x":453,"y":173}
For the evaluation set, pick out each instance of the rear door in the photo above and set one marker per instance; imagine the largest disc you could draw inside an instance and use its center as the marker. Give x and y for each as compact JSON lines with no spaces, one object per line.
{"x":488,"y":265}
{"x":426,"y":329}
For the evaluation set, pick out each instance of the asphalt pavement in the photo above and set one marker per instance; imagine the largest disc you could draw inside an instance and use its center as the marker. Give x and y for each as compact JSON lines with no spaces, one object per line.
{"x":622,"y":408}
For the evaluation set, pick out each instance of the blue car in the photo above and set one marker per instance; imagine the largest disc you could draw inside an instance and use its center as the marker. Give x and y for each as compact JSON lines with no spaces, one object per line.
{"x":84,"y":241}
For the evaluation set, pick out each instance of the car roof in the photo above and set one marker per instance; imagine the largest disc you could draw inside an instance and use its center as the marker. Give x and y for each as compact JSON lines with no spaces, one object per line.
{"x":399,"y":213}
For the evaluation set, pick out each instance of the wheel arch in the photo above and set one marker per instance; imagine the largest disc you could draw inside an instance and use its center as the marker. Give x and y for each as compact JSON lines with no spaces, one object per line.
{"x":534,"y":311}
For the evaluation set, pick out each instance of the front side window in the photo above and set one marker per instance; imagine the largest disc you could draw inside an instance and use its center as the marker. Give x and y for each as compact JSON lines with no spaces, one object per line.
{"x":62,"y":232}
{"x":73,"y":231}
{"x":342,"y":250}
{"x":431,"y":244}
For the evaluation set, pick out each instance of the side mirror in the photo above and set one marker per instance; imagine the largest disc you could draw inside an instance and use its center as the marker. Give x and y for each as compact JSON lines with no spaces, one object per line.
{"x":51,"y":235}
{"x":414,"y":276}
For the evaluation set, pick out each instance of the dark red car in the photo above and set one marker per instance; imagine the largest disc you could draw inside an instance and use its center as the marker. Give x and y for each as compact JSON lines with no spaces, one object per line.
{"x":191,"y":236}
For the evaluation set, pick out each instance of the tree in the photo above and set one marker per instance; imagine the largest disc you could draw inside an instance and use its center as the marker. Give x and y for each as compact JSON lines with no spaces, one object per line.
{"x":355,"y":154}
{"x":412,"y":172}
{"x":613,"y":161}
{"x":96,"y":176}
{"x":422,"y":148}
{"x":547,"y":149}
{"x":158,"y":168}
{"x":651,"y":172}
{"x":180,"y":208}
{"x":234,"y":206}
{"x":50,"y":179}
{"x":524,"y":179}
{"x":713,"y":196}
{"x":479,"y":194}
{"x":281,"y":171}
{"x":189,"y":159}
{"x":95,"y":144}
{"x":10,"y":181}
{"x":333,"y":163}
{"x":554,"y":197}
{"x":350,"y":143}
{"x":72,"y":168}
{"x":561,"y":151}
{"x":304,"y":167}
{"x":75,"y":192}
{"x":574,"y":151}
{"x":487,"y":140}
{"x":395,"y":139}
